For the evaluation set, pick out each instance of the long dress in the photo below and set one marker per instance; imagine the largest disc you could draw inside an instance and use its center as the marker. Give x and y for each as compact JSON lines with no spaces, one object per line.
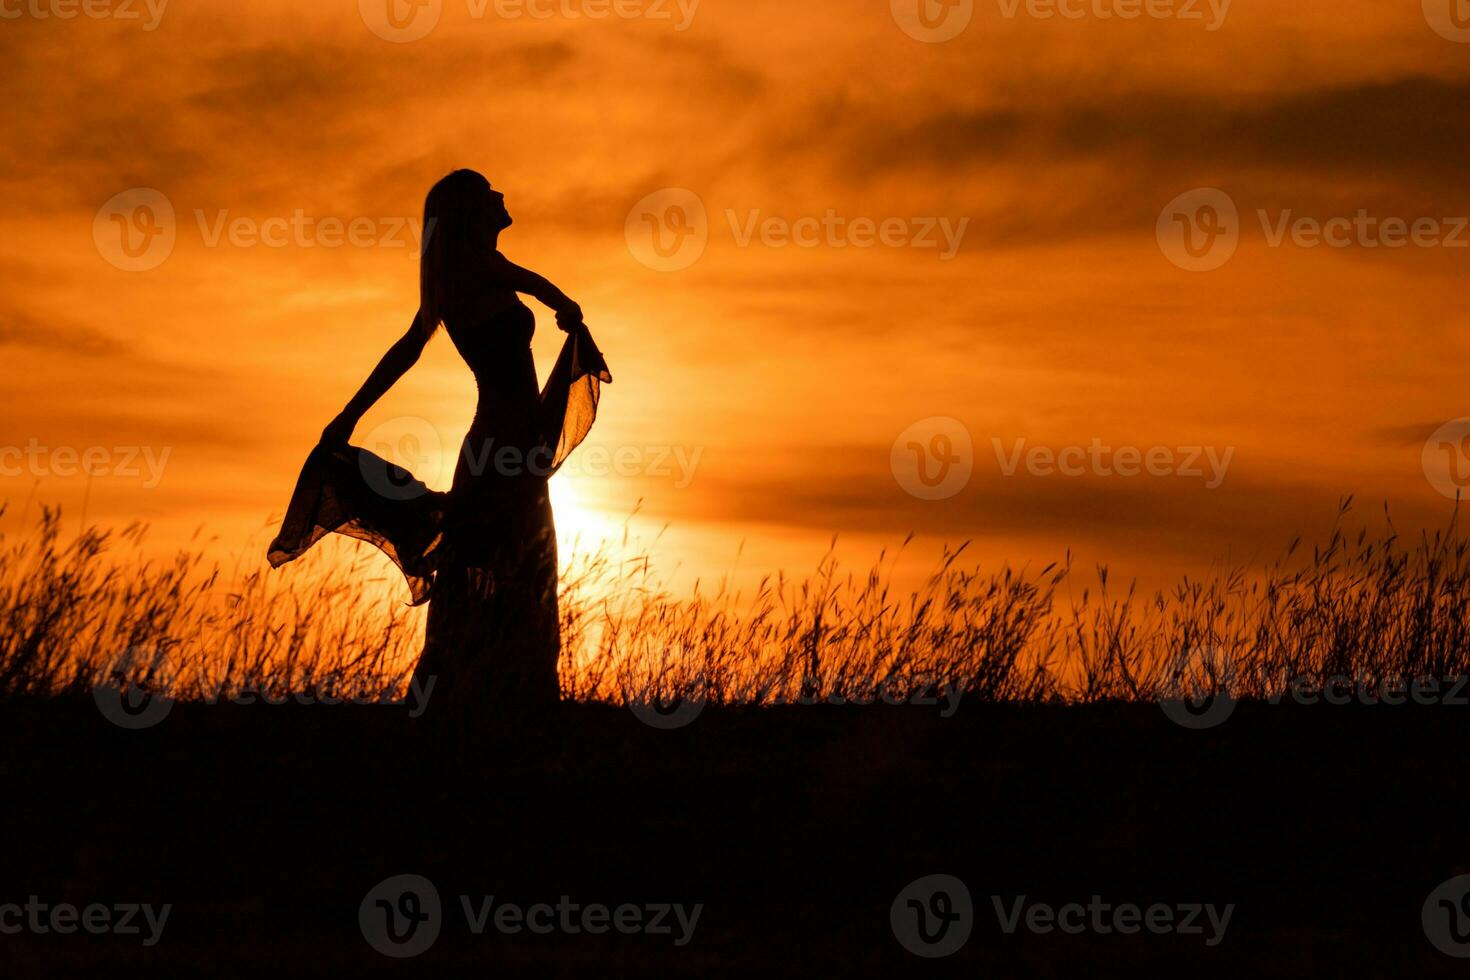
{"x":482,"y":555}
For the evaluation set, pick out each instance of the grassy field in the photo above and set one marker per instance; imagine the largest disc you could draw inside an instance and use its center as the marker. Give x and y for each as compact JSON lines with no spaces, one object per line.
{"x":1325,"y":832}
{"x":1372,"y":609}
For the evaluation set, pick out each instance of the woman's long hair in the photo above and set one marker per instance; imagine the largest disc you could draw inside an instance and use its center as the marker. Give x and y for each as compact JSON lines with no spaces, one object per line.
{"x":457,"y":234}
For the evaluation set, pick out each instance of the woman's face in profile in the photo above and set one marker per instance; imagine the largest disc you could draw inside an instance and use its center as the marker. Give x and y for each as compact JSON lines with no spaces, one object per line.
{"x":496,"y":211}
{"x":477,"y":212}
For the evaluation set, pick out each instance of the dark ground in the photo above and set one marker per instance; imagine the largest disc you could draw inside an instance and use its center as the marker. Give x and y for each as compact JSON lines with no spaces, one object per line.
{"x":796,"y":827}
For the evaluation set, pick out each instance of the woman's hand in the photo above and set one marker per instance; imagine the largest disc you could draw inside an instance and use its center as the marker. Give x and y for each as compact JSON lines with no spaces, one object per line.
{"x":338,"y":431}
{"x":569,"y":316}
{"x":508,"y":275}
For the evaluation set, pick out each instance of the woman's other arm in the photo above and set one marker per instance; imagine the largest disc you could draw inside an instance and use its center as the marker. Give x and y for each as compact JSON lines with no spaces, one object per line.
{"x":511,"y":276}
{"x":403,"y":355}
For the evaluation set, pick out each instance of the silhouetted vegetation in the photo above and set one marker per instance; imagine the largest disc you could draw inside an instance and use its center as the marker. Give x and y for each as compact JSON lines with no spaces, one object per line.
{"x":1371,"y":608}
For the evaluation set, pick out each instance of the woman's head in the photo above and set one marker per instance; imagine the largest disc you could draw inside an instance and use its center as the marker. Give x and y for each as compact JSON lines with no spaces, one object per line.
{"x":463,"y":219}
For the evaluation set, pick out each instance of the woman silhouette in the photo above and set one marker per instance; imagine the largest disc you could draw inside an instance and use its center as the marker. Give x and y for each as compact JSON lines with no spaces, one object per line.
{"x":484,"y":554}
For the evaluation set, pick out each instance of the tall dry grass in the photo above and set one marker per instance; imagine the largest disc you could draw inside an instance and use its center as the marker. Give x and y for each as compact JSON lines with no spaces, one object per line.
{"x":1372,"y":608}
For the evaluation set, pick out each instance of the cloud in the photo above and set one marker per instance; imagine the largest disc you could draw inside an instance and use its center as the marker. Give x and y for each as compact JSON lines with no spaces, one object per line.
{"x":1061,"y":145}
{"x":55,"y":334}
{"x":1398,"y":436}
{"x":1412,"y":125}
{"x":1034,"y":169}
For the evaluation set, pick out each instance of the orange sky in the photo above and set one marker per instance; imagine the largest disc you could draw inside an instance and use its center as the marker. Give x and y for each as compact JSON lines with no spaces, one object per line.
{"x":760,"y":390}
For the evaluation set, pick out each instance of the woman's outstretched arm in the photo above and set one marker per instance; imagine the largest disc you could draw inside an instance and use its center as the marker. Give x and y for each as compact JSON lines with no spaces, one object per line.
{"x":403,"y":355}
{"x":511,"y":276}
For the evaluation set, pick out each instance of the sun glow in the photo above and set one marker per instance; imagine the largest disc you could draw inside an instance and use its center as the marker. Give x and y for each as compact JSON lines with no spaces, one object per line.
{"x":580,"y":523}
